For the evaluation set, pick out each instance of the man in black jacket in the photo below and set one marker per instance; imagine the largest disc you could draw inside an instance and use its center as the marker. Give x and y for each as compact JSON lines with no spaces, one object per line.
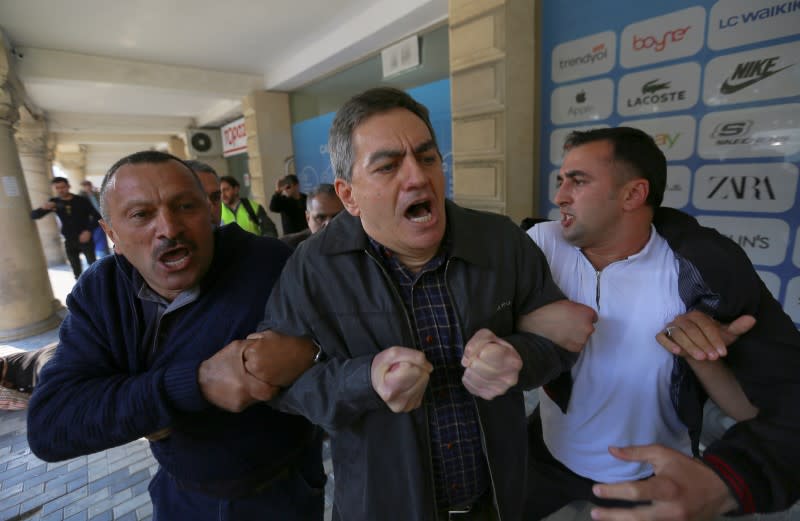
{"x":420,"y":377}
{"x":290,"y":202}
{"x":78,"y":220}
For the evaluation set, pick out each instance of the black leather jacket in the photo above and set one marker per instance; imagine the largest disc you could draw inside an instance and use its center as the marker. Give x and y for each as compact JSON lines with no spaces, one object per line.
{"x":335,"y":291}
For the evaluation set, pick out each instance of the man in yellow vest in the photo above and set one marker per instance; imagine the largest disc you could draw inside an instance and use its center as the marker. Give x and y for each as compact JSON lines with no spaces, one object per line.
{"x":249,"y":215}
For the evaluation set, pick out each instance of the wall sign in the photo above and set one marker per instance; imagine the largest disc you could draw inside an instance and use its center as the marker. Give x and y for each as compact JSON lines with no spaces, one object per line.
{"x":717,"y":85}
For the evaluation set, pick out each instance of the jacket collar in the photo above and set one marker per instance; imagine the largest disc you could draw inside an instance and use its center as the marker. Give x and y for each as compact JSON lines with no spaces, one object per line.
{"x":463,"y":236}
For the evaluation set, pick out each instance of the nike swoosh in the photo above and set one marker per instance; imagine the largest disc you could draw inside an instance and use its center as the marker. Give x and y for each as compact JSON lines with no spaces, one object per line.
{"x":726,"y":88}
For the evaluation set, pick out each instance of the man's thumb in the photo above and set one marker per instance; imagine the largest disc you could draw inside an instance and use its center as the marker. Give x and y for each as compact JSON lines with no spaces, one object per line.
{"x":737,"y":328}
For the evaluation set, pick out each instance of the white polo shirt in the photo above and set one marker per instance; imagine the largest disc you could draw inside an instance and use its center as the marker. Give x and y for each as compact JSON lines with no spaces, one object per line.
{"x":621,"y":392}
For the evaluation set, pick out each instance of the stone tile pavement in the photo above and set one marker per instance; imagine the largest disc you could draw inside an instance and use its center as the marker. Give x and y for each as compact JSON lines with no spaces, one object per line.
{"x":99,"y":487}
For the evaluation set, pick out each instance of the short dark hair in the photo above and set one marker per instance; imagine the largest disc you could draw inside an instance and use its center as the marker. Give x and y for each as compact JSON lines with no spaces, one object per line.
{"x":56,"y":180}
{"x":145,"y":156}
{"x":321,"y":189}
{"x":230,"y":180}
{"x":635,"y":148}
{"x":199,"y":166}
{"x":358,"y":109}
{"x":289,"y":180}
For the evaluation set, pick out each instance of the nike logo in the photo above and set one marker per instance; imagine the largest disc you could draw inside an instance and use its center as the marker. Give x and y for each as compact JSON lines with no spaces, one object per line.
{"x":727,"y":88}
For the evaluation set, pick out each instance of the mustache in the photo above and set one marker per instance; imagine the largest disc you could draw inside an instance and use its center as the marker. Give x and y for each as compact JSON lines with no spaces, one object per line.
{"x":168,"y":244}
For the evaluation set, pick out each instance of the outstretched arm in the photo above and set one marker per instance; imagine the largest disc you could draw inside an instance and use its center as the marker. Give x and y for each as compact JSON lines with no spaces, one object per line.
{"x":701,"y":340}
{"x":681,"y":489}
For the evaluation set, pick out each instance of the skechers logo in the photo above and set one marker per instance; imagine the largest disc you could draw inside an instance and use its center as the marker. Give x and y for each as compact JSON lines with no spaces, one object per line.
{"x":749,"y":73}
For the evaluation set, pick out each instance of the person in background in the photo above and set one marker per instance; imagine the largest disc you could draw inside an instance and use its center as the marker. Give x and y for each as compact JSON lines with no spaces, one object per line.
{"x":322,"y":205}
{"x":211,"y":186}
{"x":290,"y":202}
{"x":78,"y":219}
{"x":98,"y":235}
{"x":249,"y":215}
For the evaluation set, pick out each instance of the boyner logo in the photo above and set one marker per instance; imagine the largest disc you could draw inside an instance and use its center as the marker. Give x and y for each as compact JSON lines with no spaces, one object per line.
{"x":659,"y":43}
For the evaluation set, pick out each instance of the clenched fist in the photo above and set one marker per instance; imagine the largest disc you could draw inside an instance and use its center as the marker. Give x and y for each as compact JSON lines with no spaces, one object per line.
{"x":400,"y":376}
{"x":492,"y":365}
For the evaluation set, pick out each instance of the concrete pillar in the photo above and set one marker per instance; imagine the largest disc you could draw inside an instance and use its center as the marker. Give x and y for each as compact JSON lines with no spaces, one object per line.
{"x":32,"y":141}
{"x":493,"y":97}
{"x":268,"y":124}
{"x":177,"y":147}
{"x":72,"y":159}
{"x":27,"y":306}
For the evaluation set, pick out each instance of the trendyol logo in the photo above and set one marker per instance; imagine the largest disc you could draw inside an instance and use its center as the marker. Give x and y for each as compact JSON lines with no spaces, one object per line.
{"x":659,"y":43}
{"x":759,"y":14}
{"x":749,"y":73}
{"x":598,"y":53}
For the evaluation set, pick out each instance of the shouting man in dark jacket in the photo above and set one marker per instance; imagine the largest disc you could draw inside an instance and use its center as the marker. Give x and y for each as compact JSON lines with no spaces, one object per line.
{"x":414,"y":302}
{"x":141,"y":354}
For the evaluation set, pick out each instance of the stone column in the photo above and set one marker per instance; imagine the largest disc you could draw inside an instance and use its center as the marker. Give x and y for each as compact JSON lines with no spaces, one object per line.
{"x":27,"y":306}
{"x":493,"y":97}
{"x":268,"y":124}
{"x":31,"y":138}
{"x":72,"y":159}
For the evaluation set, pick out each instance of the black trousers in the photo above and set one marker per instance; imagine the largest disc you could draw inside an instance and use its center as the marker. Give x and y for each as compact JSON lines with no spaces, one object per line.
{"x":74,"y":248}
{"x":551,"y":485}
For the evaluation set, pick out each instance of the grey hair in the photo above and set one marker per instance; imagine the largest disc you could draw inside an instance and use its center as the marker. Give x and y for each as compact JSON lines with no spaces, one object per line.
{"x":355,"y":111}
{"x":145,"y":156}
{"x":199,"y":166}
{"x":321,"y":189}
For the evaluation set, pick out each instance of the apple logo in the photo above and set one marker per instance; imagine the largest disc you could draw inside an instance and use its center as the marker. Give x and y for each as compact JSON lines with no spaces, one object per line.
{"x":580,"y":97}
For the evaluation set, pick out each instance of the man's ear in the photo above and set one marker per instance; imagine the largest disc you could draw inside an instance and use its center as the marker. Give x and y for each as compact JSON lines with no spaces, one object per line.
{"x":345,"y":192}
{"x":635,"y":193}
{"x":111,"y":235}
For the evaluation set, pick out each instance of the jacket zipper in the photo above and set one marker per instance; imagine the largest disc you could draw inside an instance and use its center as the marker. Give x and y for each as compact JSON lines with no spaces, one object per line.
{"x":411,"y":335}
{"x":474,"y":403}
{"x":597,"y":290}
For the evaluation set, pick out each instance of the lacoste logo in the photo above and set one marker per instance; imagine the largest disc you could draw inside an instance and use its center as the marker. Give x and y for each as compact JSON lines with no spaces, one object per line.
{"x":653,"y":86}
{"x":749,"y":73}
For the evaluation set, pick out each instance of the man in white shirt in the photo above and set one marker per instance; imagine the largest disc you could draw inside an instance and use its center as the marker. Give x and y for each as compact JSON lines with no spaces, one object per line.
{"x":626,"y":390}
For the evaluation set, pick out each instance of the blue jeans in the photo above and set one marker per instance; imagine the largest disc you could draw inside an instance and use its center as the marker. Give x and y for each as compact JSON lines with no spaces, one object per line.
{"x":299,"y":497}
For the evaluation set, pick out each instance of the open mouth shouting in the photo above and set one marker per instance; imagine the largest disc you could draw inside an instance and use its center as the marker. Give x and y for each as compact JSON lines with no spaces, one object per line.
{"x":175,"y":258}
{"x":419,"y":212}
